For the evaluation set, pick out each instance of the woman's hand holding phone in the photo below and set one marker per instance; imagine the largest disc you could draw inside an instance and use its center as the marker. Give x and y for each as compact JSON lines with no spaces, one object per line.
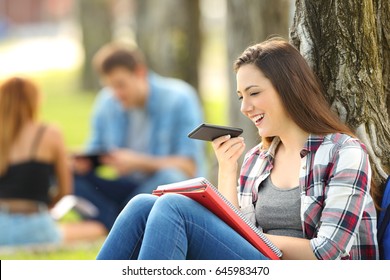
{"x":228,"y":147}
{"x":228,"y":150}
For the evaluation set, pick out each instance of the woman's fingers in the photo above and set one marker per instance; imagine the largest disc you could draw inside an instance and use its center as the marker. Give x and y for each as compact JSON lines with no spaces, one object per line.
{"x":226,"y":147}
{"x":238,"y":153}
{"x":225,"y":142}
{"x":234,"y":149}
{"x":227,"y":151}
{"x":219,"y":141}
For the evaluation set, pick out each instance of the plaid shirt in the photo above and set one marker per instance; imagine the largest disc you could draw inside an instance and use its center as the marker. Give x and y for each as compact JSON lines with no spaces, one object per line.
{"x":337,"y":211}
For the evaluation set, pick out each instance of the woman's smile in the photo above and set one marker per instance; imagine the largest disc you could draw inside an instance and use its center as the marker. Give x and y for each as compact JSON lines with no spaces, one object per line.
{"x":257,"y":119}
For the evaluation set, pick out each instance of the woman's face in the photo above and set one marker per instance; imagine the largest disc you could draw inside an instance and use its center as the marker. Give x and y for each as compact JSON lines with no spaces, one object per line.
{"x":260,"y":102}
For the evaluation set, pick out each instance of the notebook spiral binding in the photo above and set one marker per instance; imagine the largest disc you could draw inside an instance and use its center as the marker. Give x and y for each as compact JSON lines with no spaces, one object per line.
{"x":275,"y":249}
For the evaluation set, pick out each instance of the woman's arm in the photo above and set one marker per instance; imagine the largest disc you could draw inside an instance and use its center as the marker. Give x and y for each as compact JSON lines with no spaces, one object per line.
{"x":228,"y":150}
{"x":346,"y":195}
{"x":61,"y":165}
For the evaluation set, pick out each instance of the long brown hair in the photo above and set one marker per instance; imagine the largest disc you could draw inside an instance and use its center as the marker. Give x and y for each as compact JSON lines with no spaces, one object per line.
{"x":300,"y":91}
{"x":18,"y":105}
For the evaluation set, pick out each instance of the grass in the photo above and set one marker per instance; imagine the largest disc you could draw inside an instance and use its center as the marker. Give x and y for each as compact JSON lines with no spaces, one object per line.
{"x":77,"y":251}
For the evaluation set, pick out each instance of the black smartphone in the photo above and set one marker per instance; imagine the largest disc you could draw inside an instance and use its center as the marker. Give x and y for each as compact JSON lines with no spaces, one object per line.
{"x":94,"y":157}
{"x":209,"y":132}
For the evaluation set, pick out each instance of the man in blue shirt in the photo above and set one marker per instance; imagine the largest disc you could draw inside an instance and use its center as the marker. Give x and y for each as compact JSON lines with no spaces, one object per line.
{"x":142,"y":120}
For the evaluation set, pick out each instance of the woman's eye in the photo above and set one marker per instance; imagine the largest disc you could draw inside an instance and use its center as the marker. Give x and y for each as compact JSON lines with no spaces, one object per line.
{"x":240,"y":98}
{"x":254,"y":93}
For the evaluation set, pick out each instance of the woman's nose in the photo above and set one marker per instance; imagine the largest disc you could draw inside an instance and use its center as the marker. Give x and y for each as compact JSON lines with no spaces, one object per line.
{"x":246,"y":106}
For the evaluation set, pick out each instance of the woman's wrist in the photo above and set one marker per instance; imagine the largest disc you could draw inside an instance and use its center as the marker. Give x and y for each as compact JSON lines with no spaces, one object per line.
{"x":228,"y":169}
{"x":227,"y":179}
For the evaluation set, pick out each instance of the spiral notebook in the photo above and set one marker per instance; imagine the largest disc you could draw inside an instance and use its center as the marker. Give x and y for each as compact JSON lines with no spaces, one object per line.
{"x":202,"y":191}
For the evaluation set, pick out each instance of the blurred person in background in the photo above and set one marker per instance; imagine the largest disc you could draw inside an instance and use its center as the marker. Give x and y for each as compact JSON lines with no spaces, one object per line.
{"x":32,"y":154}
{"x":140,"y":122}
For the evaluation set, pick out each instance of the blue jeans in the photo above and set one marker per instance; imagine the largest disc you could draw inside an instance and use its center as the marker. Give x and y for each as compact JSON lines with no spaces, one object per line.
{"x":173,"y":227}
{"x":28,"y":229}
{"x":110,"y":196}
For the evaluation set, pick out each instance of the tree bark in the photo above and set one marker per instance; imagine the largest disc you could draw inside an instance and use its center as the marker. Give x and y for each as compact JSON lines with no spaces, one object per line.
{"x":347,"y":44}
{"x":383,"y":17}
{"x":250,"y":22}
{"x":96,"y":25}
{"x":168,"y":33}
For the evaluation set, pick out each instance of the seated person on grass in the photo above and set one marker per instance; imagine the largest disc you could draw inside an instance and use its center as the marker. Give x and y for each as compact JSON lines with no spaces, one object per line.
{"x":31,"y":155}
{"x":140,"y":121}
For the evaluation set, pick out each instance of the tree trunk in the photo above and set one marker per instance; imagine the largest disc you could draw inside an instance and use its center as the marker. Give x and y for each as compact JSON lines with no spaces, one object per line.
{"x":347,"y":44}
{"x":249,"y":22}
{"x":96,"y":25}
{"x":168,"y":33}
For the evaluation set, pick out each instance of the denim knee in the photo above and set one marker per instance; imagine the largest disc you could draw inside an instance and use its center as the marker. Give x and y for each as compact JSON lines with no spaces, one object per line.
{"x":171,"y":201}
{"x":138,"y":203}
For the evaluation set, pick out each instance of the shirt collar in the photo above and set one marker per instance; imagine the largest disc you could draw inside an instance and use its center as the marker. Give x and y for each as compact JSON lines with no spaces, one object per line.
{"x":312,"y":144}
{"x":270,"y":152}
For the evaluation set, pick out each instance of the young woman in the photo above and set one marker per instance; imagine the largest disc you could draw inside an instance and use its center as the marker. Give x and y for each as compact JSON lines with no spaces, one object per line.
{"x":31,"y":155}
{"x":307,"y":184}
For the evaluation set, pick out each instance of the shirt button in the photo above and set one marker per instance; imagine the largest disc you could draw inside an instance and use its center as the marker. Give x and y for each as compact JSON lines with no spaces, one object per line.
{"x":304,"y":167}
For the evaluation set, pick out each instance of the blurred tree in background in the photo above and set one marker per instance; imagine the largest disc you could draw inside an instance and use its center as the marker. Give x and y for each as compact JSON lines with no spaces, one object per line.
{"x":168,"y":32}
{"x":96,"y":26}
{"x":347,"y":43}
{"x":250,"y":22}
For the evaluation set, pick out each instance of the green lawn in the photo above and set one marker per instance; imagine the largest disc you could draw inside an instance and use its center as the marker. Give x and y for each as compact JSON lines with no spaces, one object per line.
{"x":77,"y":251}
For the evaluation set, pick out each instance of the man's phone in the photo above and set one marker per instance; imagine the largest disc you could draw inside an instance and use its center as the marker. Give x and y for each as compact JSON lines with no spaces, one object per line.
{"x":94,"y":158}
{"x":209,"y":132}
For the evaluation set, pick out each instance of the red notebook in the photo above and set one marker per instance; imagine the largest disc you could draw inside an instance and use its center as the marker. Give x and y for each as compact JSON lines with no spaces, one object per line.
{"x":202,"y":191}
